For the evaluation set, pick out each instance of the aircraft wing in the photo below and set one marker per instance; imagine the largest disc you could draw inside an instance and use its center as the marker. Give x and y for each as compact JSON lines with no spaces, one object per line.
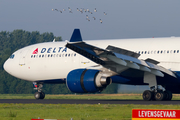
{"x":117,"y":58}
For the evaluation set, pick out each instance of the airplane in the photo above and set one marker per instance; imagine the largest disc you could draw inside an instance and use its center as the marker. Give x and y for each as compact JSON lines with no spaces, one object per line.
{"x":90,"y":66}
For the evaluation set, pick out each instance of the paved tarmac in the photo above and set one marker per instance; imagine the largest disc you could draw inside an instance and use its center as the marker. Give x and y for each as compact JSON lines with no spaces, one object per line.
{"x":85,"y":101}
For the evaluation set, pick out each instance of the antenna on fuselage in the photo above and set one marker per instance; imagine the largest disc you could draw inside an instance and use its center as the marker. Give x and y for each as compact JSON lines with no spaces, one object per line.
{"x":54,"y":40}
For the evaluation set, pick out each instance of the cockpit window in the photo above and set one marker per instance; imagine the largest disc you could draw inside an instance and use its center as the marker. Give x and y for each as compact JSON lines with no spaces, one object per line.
{"x":12,"y":56}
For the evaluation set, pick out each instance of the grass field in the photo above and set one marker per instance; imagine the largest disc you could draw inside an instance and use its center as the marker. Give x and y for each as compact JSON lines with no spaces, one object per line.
{"x":75,"y":111}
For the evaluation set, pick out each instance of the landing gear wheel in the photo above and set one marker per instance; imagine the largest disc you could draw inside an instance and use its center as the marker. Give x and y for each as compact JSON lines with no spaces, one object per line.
{"x":42,"y":95}
{"x":168,"y":95}
{"x":147,"y":95}
{"x":160,"y":95}
{"x":37,"y":95}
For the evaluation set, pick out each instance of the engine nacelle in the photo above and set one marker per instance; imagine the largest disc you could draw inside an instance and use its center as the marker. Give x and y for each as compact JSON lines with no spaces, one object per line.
{"x":86,"y":81}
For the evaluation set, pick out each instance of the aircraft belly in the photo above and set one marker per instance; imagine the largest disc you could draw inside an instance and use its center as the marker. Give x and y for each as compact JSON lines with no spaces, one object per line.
{"x":136,"y":77}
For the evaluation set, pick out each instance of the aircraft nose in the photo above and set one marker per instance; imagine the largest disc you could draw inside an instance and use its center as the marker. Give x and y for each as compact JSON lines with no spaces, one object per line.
{"x":7,"y":66}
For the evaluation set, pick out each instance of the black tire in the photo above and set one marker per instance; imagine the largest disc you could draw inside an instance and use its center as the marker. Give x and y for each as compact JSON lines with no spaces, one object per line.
{"x":160,"y":96}
{"x":147,"y":95}
{"x":42,"y":95}
{"x":168,"y":95}
{"x":37,"y":95}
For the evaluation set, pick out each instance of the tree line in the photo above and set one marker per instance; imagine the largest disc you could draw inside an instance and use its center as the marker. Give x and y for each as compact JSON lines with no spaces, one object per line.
{"x":12,"y":41}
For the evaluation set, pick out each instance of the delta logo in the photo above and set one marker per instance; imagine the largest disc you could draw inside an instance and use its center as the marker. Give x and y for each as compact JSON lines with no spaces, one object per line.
{"x":50,"y":50}
{"x":35,"y":51}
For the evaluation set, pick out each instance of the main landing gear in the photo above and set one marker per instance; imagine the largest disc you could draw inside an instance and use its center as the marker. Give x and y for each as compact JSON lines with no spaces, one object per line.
{"x":155,"y":93}
{"x":158,"y":95}
{"x":39,"y":94}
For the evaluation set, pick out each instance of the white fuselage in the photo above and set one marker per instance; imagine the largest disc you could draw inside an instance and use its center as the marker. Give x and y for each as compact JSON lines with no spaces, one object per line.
{"x":53,"y":61}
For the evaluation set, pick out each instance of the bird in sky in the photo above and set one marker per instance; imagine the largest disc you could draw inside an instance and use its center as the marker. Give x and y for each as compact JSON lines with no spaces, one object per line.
{"x":95,"y":10}
{"x":87,"y":19}
{"x":81,"y":10}
{"x":70,"y":10}
{"x":100,"y":20}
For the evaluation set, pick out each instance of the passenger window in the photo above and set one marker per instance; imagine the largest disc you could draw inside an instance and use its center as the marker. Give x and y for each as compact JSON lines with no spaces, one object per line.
{"x":39,"y":55}
{"x":42,"y":55}
{"x":168,"y":51}
{"x":177,"y":51}
{"x":49,"y":55}
{"x":161,"y":52}
{"x":145,"y":52}
{"x":74,"y":54}
{"x":158,"y":52}
{"x":31,"y":56}
{"x":142,"y":52}
{"x":174,"y":51}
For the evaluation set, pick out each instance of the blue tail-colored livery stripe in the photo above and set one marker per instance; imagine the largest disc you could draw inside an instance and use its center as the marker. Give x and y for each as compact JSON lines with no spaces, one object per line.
{"x":76,"y":36}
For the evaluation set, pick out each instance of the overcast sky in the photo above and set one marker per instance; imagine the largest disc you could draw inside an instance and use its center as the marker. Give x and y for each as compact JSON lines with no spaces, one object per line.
{"x":124,"y":19}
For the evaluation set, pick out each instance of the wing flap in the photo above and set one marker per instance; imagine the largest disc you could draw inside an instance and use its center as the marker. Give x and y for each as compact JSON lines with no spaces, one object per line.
{"x":122,"y":51}
{"x":152,"y":61}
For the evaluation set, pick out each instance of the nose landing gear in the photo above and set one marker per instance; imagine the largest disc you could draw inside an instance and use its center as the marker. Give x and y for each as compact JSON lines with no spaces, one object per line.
{"x":40,"y":94}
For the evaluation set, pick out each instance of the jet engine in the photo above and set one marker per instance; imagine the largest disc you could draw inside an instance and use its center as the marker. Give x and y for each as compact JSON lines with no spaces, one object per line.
{"x":87,"y":81}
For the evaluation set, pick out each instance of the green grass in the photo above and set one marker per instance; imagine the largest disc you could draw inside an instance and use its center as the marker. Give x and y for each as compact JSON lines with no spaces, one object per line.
{"x":75,"y":111}
{"x":78,"y":96}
